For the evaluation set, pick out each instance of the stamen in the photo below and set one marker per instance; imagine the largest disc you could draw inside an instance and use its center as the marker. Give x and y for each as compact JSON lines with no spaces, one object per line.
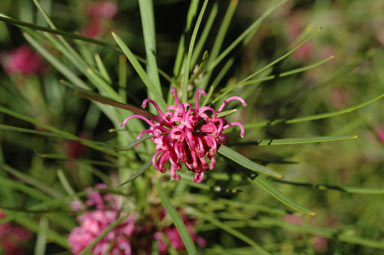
{"x":137,"y":117}
{"x":148,"y":100}
{"x":198,"y":92}
{"x":236,"y":124}
{"x":226,"y":101}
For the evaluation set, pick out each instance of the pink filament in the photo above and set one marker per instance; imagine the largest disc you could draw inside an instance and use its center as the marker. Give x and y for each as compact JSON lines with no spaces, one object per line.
{"x":226,"y":101}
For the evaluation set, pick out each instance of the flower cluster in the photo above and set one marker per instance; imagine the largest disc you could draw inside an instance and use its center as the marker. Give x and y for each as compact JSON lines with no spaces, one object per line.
{"x":127,"y":238}
{"x":187,"y":134}
{"x":13,"y":238}
{"x":93,"y":223}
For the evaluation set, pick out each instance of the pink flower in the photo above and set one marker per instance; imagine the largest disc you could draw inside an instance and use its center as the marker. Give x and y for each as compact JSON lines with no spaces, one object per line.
{"x":93,"y":29}
{"x":379,"y":131}
{"x":187,"y":134}
{"x":295,"y":28}
{"x":23,"y":61}
{"x":93,"y":223}
{"x":172,"y":234}
{"x":106,"y":10}
{"x":319,"y":243}
{"x":98,"y":13}
{"x":294,"y":219}
{"x":13,"y":238}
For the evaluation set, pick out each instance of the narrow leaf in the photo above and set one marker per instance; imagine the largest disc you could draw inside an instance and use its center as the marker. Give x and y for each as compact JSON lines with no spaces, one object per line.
{"x":232,"y":231}
{"x":131,"y":145}
{"x":190,"y":51}
{"x":314,"y":117}
{"x":250,"y":29}
{"x":288,"y":141}
{"x":325,"y":187}
{"x":265,"y":185}
{"x":108,"y":101}
{"x":245,"y":162}
{"x":139,"y":172}
{"x":56,"y":31}
{"x":102,"y":69}
{"x":176,"y":219}
{"x":140,"y":71}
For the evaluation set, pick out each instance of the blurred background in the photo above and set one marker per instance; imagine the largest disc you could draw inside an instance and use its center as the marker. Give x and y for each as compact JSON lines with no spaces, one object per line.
{"x":351,"y":30}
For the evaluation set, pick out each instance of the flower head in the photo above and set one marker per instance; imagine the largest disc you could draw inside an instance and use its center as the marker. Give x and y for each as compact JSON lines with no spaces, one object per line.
{"x":93,"y":223}
{"x":187,"y":134}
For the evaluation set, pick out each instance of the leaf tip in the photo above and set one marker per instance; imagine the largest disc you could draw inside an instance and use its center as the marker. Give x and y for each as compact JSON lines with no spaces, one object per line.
{"x":355,"y":137}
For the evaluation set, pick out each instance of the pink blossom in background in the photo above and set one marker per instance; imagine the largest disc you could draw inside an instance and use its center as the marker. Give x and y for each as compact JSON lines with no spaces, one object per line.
{"x":319,"y":243}
{"x":295,"y":28}
{"x":338,"y":98}
{"x":74,"y":149}
{"x":379,"y":131}
{"x":106,"y":10}
{"x":187,"y":134}
{"x":174,"y":238}
{"x":94,"y":221}
{"x":294,"y":219}
{"x":13,"y":239}
{"x":93,"y":29}
{"x":23,"y":61}
{"x":98,"y":13}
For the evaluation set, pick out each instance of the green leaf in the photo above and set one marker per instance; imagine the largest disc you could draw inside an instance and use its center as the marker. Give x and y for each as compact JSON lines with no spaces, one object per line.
{"x":41,"y":240}
{"x":100,"y":146}
{"x":325,"y":187}
{"x":265,"y":185}
{"x":148,"y":22}
{"x":57,"y":32}
{"x":330,"y":233}
{"x":289,"y":141}
{"x":192,"y":10}
{"x":102,"y":69}
{"x":131,"y":145}
{"x":85,"y":161}
{"x":140,"y":71}
{"x":290,"y":52}
{"x":250,"y":29}
{"x":204,"y":35}
{"x":32,"y":181}
{"x":242,"y":82}
{"x":123,"y":73}
{"x":51,"y":235}
{"x":108,"y":101}
{"x":176,"y":219}
{"x":139,"y":172}
{"x":245,"y":162}
{"x":190,"y":52}
{"x":218,"y":79}
{"x":231,"y":231}
{"x":225,"y":113}
{"x":314,"y":117}
{"x":23,"y":188}
{"x":219,"y":38}
{"x":56,"y":63}
{"x":283,"y":74}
